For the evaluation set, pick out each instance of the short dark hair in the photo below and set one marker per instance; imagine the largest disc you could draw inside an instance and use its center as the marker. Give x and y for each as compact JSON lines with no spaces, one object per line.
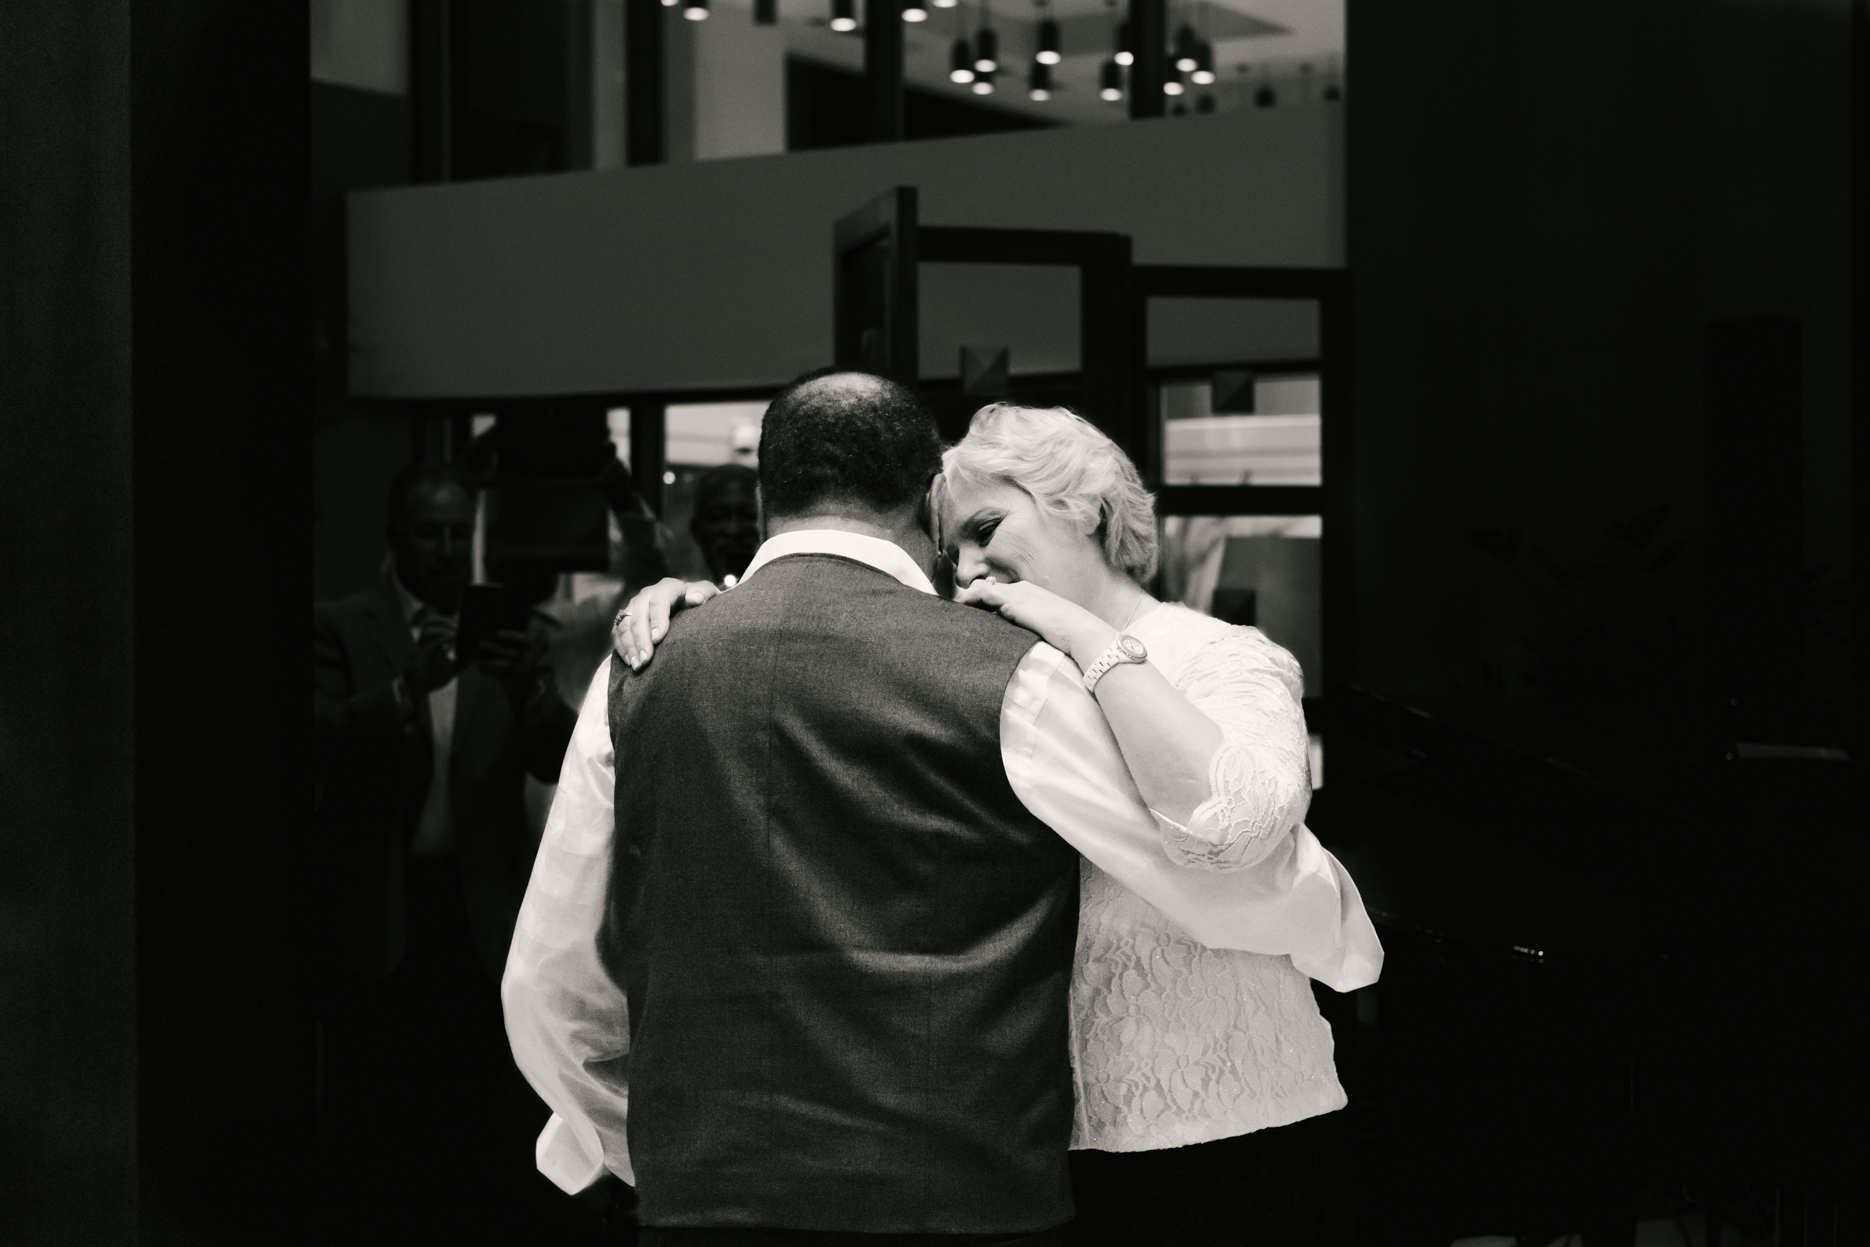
{"x":872,"y":445}
{"x":416,"y":475}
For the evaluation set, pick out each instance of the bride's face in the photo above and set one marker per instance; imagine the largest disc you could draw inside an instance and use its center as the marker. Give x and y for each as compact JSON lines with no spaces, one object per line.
{"x":995,"y":530}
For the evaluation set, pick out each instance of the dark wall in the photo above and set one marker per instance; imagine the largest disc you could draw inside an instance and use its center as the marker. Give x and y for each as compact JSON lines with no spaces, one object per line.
{"x":156,"y":384}
{"x":221,"y":399}
{"x":67,"y":685}
{"x":1538,"y":240}
{"x":510,"y":87}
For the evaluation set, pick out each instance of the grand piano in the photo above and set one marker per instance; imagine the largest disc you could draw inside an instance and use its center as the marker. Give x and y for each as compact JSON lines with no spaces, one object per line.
{"x":1608,"y":971}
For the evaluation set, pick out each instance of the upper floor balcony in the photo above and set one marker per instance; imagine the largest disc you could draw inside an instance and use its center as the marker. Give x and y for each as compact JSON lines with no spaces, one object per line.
{"x":499,"y":88}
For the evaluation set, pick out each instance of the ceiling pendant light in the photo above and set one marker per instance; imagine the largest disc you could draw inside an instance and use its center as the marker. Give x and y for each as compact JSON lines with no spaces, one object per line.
{"x":945,"y":4}
{"x":986,"y":53}
{"x":669,"y":4}
{"x":1125,"y":56}
{"x":765,"y":12}
{"x":1173,"y":85}
{"x":961,"y":62}
{"x":843,"y":15}
{"x":1185,"y":42}
{"x":1049,"y":42}
{"x":1039,"y":82}
{"x":696,"y":10}
{"x":1110,"y":82}
{"x":1203,"y":74}
{"x":983,"y":84}
{"x":914,"y":12}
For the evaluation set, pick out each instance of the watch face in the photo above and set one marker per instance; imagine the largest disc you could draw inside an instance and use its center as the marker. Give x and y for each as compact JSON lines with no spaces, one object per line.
{"x":1132,"y":648}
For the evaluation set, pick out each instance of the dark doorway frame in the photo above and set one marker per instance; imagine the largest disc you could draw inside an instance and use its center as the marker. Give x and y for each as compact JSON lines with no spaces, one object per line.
{"x":880,"y":247}
{"x":1334,"y":499}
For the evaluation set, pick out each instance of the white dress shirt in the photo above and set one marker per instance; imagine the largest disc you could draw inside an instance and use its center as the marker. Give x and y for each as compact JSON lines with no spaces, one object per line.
{"x":568,"y":1022}
{"x":435,"y":827}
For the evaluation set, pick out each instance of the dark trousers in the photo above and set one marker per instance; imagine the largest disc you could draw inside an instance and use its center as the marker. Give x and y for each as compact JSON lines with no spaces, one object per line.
{"x":428,"y":1125}
{"x":1283,"y":1187}
{"x":685,"y":1236}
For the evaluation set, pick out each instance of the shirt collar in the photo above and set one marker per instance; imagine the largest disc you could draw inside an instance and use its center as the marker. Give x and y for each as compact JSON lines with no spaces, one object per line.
{"x":886,"y":556}
{"x":410,"y":603}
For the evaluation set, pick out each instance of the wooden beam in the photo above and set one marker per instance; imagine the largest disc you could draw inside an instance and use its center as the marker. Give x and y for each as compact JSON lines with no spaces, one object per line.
{"x":645,"y":138}
{"x":1149,"y":40}
{"x":883,"y":71}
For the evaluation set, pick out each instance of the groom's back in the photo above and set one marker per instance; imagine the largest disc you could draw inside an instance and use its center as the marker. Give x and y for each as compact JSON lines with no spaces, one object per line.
{"x":846,"y":944}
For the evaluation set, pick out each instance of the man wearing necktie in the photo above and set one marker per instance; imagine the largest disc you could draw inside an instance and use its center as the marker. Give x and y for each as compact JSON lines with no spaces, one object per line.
{"x":422,"y":857}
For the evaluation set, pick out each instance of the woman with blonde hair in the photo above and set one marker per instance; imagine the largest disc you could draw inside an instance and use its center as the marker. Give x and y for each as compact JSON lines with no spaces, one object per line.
{"x":1204,"y":1076}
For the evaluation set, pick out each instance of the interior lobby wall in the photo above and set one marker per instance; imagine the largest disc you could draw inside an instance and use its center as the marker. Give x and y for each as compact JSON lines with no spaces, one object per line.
{"x":1536,"y":245}
{"x":718,"y":273}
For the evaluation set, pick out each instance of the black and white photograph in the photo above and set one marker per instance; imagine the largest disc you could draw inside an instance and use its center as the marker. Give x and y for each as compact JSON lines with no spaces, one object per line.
{"x":934,"y":623}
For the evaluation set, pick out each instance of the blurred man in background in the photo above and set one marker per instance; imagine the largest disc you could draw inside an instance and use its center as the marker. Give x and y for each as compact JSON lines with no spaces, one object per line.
{"x":726,"y":524}
{"x":423,"y":855}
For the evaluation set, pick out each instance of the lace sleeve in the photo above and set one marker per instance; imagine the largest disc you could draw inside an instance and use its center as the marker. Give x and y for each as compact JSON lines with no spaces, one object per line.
{"x":1259,"y":779}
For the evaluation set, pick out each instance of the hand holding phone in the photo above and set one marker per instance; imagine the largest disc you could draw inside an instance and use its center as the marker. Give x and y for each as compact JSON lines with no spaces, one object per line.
{"x":486,"y":611}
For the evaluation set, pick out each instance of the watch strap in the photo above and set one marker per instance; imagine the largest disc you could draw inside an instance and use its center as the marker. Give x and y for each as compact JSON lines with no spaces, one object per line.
{"x":1116,"y":655}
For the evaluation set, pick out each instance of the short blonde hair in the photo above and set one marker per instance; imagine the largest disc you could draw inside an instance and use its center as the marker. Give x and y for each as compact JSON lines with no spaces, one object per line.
{"x":1071,"y":469}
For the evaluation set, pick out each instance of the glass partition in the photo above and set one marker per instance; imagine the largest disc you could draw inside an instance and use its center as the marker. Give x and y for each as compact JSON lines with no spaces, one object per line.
{"x":1261,"y":571}
{"x":698,"y":437}
{"x":1278,"y":443}
{"x":1032,"y":310}
{"x":1218,"y":332}
{"x":1236,"y":390}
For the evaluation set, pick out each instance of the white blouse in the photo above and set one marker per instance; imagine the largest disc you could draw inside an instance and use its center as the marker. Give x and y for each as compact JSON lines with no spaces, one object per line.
{"x":1174,"y":1042}
{"x":1244,"y":874}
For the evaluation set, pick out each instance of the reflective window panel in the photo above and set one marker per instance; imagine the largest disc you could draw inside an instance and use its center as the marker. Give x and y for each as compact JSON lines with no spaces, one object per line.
{"x":1219,"y":333}
{"x":1277,"y":443}
{"x":1262,"y":571}
{"x":618,"y":421}
{"x":704,"y":434}
{"x":697,"y":437}
{"x":1258,"y":570}
{"x":1237,"y":389}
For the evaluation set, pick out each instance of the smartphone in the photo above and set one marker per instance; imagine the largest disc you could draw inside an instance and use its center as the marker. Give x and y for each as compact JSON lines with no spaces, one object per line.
{"x":485,"y":610}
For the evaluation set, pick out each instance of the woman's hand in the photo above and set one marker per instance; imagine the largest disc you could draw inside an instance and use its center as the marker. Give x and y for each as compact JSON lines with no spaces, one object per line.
{"x":641,"y":624}
{"x":1062,"y":624}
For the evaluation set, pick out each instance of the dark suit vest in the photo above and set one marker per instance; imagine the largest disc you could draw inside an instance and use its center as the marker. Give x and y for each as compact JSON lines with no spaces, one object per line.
{"x":845,"y":943}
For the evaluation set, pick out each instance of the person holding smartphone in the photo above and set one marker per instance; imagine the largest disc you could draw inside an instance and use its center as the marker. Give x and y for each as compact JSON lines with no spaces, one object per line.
{"x":422,"y":854}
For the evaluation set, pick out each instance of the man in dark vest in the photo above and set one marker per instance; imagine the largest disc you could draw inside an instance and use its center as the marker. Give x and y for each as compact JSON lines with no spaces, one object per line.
{"x":814,"y":982}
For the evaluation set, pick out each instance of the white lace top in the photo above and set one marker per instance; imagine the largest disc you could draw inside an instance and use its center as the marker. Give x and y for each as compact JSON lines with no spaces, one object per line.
{"x":1173,"y":1042}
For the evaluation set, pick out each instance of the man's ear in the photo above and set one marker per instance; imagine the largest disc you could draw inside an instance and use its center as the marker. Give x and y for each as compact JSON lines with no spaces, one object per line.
{"x":930,"y":514}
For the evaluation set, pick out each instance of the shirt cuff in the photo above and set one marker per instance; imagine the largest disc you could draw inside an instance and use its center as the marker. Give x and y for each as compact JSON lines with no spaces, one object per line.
{"x":563,"y":1158}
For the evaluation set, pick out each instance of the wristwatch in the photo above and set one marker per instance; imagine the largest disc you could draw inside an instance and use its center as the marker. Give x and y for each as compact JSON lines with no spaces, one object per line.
{"x":1124,"y":649}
